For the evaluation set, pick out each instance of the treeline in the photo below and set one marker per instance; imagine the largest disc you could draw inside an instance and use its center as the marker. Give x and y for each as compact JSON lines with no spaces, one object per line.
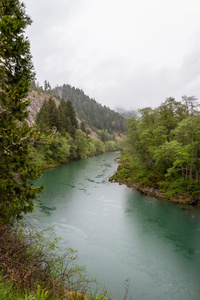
{"x":98,"y":117}
{"x":59,"y":137}
{"x":163,"y":149}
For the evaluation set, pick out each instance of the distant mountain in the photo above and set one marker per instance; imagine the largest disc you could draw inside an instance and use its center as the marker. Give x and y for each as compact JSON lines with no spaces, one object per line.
{"x":98,"y":117}
{"x":127,"y":113}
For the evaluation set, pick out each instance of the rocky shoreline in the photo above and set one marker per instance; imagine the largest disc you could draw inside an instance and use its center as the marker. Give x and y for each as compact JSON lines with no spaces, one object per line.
{"x":152,"y":192}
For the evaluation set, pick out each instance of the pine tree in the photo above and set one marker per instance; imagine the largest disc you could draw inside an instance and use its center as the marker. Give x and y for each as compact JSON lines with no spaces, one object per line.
{"x":69,"y":121}
{"x":53,"y":114}
{"x":70,"y":112}
{"x":16,"y":73}
{"x":42,"y":117}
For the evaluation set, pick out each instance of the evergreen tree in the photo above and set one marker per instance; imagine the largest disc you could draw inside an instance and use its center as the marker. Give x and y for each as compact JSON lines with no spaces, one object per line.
{"x":42,"y":118}
{"x":70,"y":111}
{"x":47,"y":86}
{"x":53,"y":114}
{"x":83,"y":126}
{"x":64,"y":116}
{"x":16,"y":73}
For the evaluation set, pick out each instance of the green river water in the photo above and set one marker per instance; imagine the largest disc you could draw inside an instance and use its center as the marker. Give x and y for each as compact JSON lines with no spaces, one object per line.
{"x":121,"y":234}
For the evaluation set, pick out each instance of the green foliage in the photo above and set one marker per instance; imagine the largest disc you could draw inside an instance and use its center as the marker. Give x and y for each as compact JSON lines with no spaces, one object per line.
{"x":100,"y":146}
{"x":17,"y":172}
{"x":63,"y":117}
{"x":8,"y":292}
{"x":81,"y":143}
{"x":15,"y":58}
{"x":162,"y":148}
{"x":61,"y":140}
{"x":92,"y":151}
{"x":111,"y":146}
{"x":101,"y":296}
{"x":52,"y":147}
{"x":68,"y":141}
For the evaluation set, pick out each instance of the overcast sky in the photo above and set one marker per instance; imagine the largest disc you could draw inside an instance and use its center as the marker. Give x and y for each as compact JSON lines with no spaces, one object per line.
{"x":127,"y":53}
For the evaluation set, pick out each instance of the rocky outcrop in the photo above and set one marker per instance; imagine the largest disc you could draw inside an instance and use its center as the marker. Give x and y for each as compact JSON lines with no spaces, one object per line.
{"x":37,"y":100}
{"x":152,"y":192}
{"x":148,"y":191}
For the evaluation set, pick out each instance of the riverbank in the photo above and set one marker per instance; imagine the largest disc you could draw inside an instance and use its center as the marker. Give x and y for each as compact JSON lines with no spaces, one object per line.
{"x":56,"y":165}
{"x":182,"y":198}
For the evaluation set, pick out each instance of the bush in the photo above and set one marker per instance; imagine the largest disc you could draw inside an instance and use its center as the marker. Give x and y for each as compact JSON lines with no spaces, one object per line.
{"x":31,"y":258}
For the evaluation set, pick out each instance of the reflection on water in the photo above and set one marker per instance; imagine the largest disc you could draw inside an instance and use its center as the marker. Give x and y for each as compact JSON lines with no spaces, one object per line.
{"x":121,"y":234}
{"x":46,"y":209}
{"x":168,"y":222}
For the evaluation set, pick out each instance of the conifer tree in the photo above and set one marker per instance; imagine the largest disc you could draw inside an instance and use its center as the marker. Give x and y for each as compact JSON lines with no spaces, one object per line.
{"x":16,"y":73}
{"x":53,"y":114}
{"x":42,"y":117}
{"x":69,"y":121}
{"x":70,"y":111}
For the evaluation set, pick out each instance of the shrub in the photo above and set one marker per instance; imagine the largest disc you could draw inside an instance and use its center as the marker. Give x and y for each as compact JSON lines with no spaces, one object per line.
{"x":31,"y":258}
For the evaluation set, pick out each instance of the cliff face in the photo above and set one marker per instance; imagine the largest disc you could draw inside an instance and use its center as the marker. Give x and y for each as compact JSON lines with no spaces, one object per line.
{"x":36,"y":102}
{"x":37,"y":98}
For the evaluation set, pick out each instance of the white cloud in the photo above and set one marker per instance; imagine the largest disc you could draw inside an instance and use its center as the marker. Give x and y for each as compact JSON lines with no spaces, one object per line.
{"x":120,"y":52}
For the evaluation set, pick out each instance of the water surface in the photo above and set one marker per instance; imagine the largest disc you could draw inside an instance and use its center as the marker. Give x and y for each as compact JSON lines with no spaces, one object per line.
{"x":121,"y":234}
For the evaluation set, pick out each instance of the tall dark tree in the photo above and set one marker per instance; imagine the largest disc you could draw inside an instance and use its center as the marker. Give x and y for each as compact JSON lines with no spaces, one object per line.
{"x":69,"y":121}
{"x":42,"y":118}
{"x":53,"y":114}
{"x":16,"y":72}
{"x":47,"y":85}
{"x":64,"y":116}
{"x":191,"y":104}
{"x":70,"y":111}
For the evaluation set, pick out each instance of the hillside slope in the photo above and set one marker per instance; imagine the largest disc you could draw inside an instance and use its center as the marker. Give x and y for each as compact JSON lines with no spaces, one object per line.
{"x":89,"y":110}
{"x":37,"y":99}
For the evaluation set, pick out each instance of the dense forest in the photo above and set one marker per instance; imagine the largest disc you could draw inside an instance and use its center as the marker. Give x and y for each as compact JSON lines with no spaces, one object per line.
{"x":162,"y":150}
{"x":98,"y":117}
{"x":62,"y":138}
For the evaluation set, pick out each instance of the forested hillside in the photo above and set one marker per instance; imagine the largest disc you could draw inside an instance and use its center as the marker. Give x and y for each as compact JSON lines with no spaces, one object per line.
{"x":163,"y":150}
{"x":61,"y":137}
{"x":98,"y":117}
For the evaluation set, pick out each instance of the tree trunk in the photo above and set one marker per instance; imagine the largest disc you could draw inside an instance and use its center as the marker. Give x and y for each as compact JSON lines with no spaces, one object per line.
{"x":182,"y":170}
{"x":186,"y":173}
{"x":191,"y":172}
{"x":197,"y":176}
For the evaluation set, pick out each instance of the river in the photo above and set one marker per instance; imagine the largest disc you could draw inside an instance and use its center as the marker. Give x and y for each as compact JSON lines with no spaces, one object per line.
{"x":121,"y":234}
